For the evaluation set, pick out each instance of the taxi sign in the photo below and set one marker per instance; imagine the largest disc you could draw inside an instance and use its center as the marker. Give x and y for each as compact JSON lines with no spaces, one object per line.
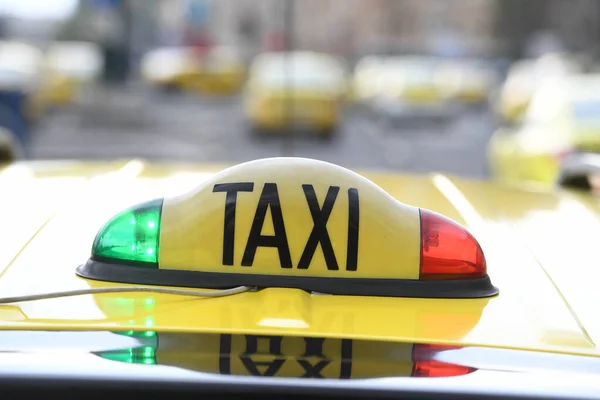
{"x":291,"y":222}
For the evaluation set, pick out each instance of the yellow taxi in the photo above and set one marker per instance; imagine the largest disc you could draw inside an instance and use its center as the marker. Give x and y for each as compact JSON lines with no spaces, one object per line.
{"x":563,"y":118}
{"x":412,"y":79}
{"x":166,"y":66}
{"x":522,"y":79}
{"x":467,"y":81}
{"x":295,"y":90}
{"x":219,"y":71}
{"x":70,"y":66}
{"x":21,"y":68}
{"x":402,"y":86}
{"x":292,"y":276}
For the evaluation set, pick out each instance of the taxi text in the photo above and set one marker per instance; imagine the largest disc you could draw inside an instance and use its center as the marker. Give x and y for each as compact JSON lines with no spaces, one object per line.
{"x":312,"y":361}
{"x":269,"y":201}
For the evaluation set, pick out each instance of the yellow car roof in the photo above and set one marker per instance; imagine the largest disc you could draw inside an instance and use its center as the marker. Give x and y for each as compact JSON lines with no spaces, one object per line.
{"x":540,"y":251}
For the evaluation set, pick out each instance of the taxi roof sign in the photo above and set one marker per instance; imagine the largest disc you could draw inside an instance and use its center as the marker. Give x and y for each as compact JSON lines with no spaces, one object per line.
{"x":291,"y":222}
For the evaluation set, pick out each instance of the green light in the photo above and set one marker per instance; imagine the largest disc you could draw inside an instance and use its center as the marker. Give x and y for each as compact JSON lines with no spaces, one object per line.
{"x":145,"y":353}
{"x":131,"y":237}
{"x":140,"y":355}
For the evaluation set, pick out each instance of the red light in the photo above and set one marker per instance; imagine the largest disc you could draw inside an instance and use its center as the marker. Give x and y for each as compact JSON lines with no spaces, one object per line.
{"x":437,"y":369}
{"x":448,"y":251}
{"x":425,"y":367}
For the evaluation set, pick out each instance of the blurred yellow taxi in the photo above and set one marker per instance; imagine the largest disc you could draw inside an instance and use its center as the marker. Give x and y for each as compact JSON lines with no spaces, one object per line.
{"x":22,"y":62}
{"x":412,"y":79}
{"x":218,"y":71}
{"x":523,"y":77}
{"x":402,"y":87}
{"x":295,"y":89}
{"x":563,"y":118}
{"x":69,"y":67}
{"x":515,"y":94}
{"x":467,"y":81}
{"x":167,"y":66}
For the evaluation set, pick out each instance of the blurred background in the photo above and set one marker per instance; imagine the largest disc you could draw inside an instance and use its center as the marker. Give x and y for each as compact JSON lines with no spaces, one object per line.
{"x":456,"y":86}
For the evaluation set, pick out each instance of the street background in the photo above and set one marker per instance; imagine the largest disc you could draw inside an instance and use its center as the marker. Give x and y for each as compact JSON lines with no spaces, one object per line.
{"x":121,"y":116}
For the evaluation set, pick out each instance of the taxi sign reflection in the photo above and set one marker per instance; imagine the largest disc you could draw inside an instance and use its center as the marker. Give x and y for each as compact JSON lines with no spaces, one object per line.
{"x":286,"y":356}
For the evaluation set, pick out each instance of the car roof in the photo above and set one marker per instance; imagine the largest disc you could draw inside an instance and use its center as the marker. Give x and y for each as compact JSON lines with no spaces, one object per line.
{"x":543,"y":304}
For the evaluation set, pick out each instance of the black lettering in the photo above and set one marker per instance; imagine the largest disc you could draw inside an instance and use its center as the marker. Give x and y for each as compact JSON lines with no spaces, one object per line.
{"x":346,"y":367}
{"x":225,"y":355}
{"x":313,"y":371}
{"x":269,"y":199}
{"x":270,"y":367}
{"x":353,"y":219}
{"x":252,"y":344}
{"x":232,"y":190}
{"x":273,"y":365}
{"x":319,"y":232}
{"x":314,"y":348}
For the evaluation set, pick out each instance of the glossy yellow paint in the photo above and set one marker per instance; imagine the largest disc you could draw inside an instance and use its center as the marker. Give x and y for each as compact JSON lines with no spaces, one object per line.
{"x":192,"y":226}
{"x":547,"y":302}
